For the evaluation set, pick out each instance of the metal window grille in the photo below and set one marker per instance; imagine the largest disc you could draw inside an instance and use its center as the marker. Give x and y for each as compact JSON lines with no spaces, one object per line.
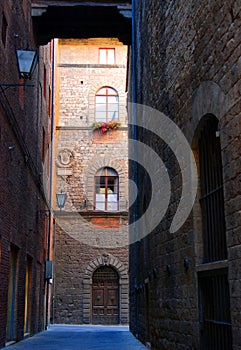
{"x":216,"y":331}
{"x":212,"y":200}
{"x":105,"y":274}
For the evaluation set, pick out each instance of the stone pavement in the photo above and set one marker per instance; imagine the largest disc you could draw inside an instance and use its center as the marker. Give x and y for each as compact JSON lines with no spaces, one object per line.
{"x":67,"y":337}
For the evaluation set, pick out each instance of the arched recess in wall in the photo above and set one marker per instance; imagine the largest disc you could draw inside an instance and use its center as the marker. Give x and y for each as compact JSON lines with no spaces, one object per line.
{"x":209,"y":98}
{"x":93,"y":167}
{"x":209,"y":109}
{"x":209,"y":102}
{"x":105,"y":260}
{"x":206,"y":138}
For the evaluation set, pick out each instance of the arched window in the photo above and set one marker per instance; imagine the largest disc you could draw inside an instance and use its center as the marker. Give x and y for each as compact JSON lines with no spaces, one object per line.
{"x":106,"y":189}
{"x":106,"y":105}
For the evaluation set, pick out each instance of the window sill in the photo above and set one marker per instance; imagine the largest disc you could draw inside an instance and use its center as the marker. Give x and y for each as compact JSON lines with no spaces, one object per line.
{"x":215,"y":265}
{"x":89,"y":212}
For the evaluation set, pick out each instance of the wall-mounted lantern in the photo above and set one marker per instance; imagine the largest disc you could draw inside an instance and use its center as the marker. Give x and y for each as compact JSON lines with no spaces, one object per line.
{"x":61,"y":199}
{"x":27,"y":60}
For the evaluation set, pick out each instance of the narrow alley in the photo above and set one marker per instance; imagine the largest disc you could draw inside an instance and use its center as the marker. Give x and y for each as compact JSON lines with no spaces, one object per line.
{"x":120,"y":174}
{"x":82,"y":337}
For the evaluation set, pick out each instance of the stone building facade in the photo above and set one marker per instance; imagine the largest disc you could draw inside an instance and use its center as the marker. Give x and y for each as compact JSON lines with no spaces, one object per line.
{"x":185,"y":285}
{"x":91,"y":168}
{"x":25,"y":123}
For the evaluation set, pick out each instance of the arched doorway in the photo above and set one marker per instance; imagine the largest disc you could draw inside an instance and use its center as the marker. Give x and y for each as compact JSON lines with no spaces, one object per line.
{"x":105,"y":296}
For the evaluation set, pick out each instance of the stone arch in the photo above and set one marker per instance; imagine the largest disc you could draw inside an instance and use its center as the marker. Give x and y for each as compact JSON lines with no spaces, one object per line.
{"x":105,"y":260}
{"x":209,"y":99}
{"x":93,"y":168}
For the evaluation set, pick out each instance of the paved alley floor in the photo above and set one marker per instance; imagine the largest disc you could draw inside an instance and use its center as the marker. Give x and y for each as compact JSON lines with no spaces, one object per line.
{"x":65,"y":337}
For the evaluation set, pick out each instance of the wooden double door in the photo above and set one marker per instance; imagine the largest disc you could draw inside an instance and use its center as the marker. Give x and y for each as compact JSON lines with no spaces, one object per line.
{"x":105,"y":296}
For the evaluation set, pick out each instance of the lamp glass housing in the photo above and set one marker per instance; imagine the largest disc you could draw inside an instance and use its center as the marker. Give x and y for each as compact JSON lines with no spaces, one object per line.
{"x":61,"y":199}
{"x":27,"y":60}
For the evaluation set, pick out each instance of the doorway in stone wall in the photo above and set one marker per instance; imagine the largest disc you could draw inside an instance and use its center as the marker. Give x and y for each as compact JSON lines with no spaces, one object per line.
{"x":105,"y":296}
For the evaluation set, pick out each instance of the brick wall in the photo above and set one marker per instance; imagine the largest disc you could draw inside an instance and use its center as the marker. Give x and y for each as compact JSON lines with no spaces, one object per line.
{"x":187,"y":65}
{"x":22,"y":196}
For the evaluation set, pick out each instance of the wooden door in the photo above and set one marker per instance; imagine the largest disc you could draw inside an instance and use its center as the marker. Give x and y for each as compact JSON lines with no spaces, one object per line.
{"x":105,"y":296}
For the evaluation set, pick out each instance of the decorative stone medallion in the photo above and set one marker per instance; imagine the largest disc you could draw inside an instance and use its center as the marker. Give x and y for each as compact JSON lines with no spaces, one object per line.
{"x":65,"y":158}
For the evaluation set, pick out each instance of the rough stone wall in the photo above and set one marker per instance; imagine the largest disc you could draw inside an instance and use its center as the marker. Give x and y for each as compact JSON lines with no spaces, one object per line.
{"x":90,"y":148}
{"x":22,"y":196}
{"x":187,"y":65}
{"x":71,"y":260}
{"x":83,"y":235}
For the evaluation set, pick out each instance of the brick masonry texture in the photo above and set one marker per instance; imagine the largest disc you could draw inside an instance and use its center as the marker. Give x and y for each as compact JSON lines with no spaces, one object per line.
{"x":84,"y":237}
{"x":23,"y":219}
{"x":187,"y":65}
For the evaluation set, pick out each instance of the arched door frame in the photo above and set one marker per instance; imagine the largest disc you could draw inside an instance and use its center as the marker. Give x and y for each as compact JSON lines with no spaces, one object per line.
{"x":105,"y":296}
{"x":105,"y":260}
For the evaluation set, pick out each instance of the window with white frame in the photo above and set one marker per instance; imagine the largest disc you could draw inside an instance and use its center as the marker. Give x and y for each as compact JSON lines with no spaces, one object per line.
{"x":106,"y":105}
{"x":106,"y":55}
{"x":106,"y":189}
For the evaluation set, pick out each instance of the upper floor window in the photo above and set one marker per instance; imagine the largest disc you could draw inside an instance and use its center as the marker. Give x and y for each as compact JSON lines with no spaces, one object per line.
{"x":106,"y":105}
{"x":107,"y":56}
{"x":106,"y":189}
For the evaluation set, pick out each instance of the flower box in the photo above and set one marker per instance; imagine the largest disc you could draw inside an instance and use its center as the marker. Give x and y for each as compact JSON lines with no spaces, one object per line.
{"x":103,"y":127}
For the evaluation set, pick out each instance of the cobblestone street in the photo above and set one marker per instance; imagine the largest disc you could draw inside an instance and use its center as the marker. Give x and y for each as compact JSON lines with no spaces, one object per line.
{"x":81,"y":338}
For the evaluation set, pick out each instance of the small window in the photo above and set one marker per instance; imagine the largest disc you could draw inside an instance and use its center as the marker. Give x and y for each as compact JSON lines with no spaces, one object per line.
{"x":107,"y":56}
{"x":106,"y":105}
{"x":106,"y":189}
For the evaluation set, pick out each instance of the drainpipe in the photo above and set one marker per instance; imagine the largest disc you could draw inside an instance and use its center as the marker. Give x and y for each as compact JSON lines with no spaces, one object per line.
{"x":134,"y":136}
{"x":50,"y":202}
{"x":134,"y":93}
{"x":133,"y":58}
{"x":38,"y":111}
{"x":52,"y":148}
